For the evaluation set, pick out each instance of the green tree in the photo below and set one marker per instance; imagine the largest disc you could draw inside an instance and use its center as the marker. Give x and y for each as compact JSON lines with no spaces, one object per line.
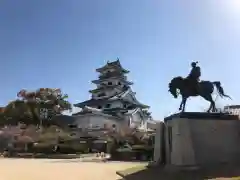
{"x":28,"y":105}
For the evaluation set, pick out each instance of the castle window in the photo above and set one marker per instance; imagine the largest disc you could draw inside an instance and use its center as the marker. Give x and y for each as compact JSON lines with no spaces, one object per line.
{"x":108,"y":106}
{"x":125,"y":106}
{"x":119,"y":83}
{"x":99,"y":107}
{"x":109,"y":83}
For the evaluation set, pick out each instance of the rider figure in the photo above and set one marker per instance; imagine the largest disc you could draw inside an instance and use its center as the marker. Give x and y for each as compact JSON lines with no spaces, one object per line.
{"x":194,"y":74}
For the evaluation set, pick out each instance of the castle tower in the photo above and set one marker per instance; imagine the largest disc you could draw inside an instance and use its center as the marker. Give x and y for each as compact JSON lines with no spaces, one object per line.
{"x":112,"y":81}
{"x":113,"y":96}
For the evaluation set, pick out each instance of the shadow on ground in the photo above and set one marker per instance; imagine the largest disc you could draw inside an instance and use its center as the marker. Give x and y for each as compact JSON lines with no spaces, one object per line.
{"x":45,"y":156}
{"x":170,"y":173}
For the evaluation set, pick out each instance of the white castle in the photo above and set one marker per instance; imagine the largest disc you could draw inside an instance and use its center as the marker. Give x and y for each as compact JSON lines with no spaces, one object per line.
{"x":113,"y":103}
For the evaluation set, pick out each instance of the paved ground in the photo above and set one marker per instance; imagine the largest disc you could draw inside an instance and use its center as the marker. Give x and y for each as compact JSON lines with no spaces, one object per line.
{"x":42,"y":169}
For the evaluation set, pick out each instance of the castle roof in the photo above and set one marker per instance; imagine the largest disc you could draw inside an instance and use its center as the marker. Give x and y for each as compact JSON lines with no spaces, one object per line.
{"x":125,"y":111}
{"x":107,"y":87}
{"x":111,"y":74}
{"x":123,"y":94}
{"x":104,"y":88}
{"x":115,"y":64}
{"x":132,"y":111}
{"x":90,"y":110}
{"x":107,"y":112}
{"x":91,"y":102}
{"x":96,"y":102}
{"x":120,"y":96}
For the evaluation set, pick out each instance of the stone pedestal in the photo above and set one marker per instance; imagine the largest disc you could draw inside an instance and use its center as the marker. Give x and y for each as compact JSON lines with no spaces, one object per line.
{"x":193,"y":139}
{"x":159,"y":144}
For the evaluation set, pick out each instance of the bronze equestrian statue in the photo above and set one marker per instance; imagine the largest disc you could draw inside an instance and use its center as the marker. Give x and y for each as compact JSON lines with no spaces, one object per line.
{"x":191,"y":86}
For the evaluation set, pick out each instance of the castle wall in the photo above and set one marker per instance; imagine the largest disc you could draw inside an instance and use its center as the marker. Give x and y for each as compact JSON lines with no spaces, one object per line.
{"x":108,"y":93}
{"x":97,"y":121}
{"x":112,"y":80}
{"x":136,"y":120}
{"x":108,"y":70}
{"x":114,"y":104}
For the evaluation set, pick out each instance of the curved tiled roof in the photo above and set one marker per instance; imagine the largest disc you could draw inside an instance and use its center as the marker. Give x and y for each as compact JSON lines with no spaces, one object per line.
{"x":120,"y":96}
{"x":104,"y":88}
{"x":132,"y":111}
{"x":113,"y":64}
{"x":111,"y":74}
{"x":93,"y":102}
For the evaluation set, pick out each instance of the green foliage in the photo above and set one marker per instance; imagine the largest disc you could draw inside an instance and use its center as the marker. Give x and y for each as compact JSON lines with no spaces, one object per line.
{"x":15,"y":111}
{"x":54,"y":133}
{"x":27,"y":108}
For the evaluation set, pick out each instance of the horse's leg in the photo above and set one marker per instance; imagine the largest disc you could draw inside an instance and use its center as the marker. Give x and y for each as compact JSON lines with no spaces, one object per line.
{"x":180,"y":107}
{"x":212,"y":106}
{"x":184,"y":104}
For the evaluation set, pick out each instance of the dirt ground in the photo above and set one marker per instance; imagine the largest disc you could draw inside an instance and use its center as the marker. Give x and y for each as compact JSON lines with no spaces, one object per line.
{"x":41,"y":169}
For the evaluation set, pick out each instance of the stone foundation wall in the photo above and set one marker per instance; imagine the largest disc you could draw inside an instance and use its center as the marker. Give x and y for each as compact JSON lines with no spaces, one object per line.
{"x":190,"y":141}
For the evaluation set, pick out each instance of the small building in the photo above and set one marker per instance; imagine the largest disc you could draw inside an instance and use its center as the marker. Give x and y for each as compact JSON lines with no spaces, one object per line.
{"x":63,"y":121}
{"x":232,"y":109}
{"x":112,"y":103}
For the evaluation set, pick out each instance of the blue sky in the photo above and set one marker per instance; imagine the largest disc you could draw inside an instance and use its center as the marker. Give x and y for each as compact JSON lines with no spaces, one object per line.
{"x":60,"y":43}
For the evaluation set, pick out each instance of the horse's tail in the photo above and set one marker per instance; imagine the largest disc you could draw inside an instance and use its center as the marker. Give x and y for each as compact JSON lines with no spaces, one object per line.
{"x":220,"y":89}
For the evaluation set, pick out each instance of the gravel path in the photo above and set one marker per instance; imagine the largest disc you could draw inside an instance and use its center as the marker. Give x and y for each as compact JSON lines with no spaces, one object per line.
{"x":42,"y":169}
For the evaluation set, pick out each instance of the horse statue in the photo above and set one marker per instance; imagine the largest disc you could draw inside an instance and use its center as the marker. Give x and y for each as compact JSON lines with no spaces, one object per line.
{"x":183,"y":86}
